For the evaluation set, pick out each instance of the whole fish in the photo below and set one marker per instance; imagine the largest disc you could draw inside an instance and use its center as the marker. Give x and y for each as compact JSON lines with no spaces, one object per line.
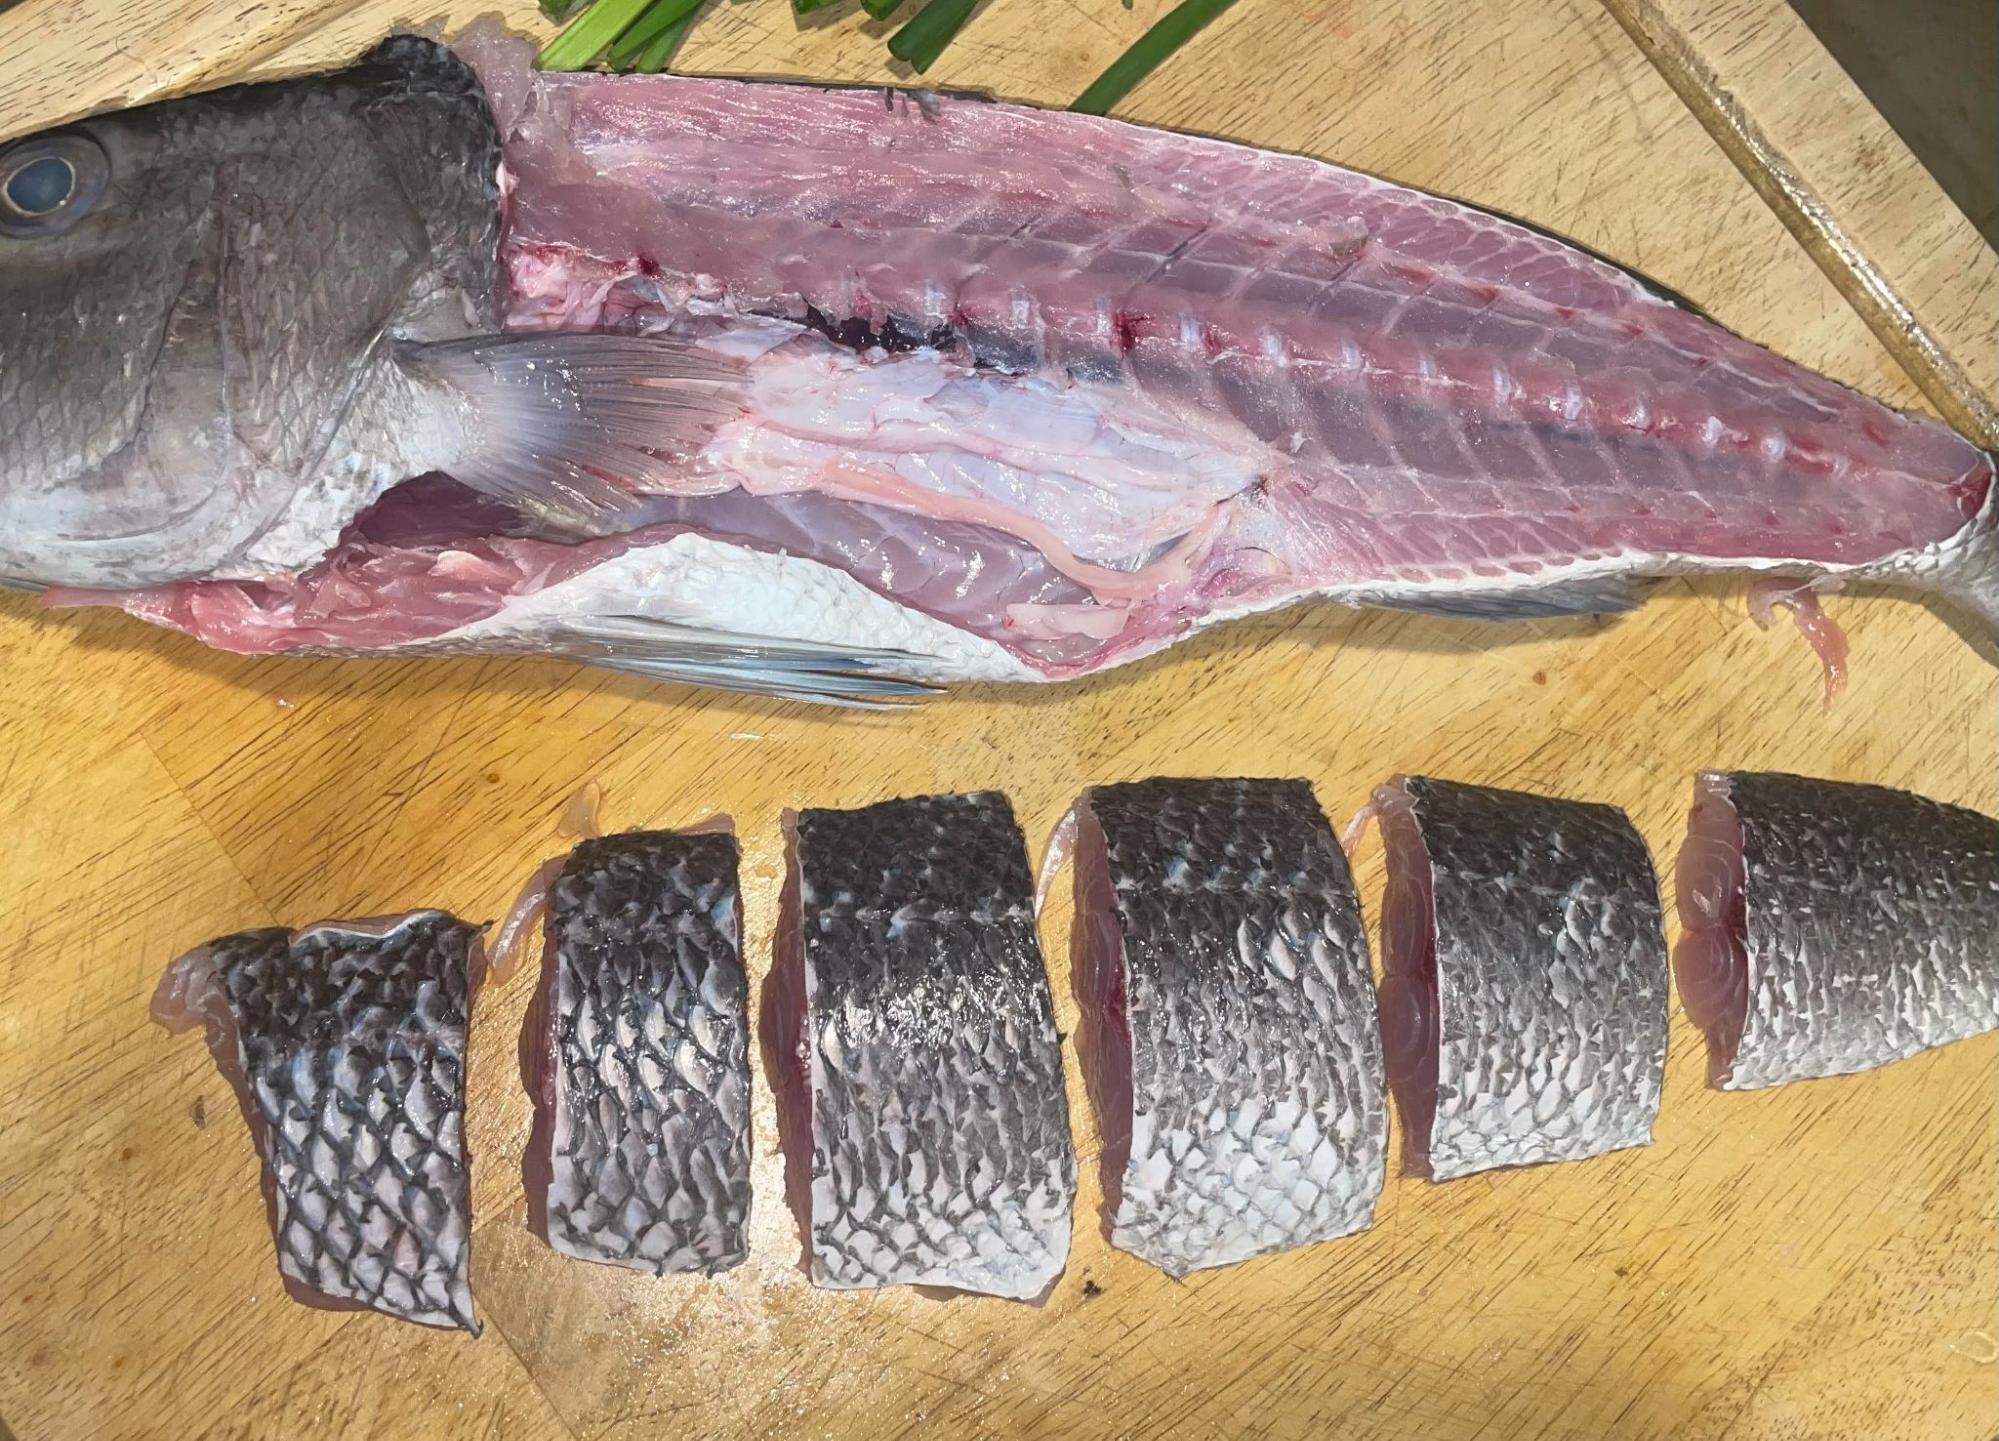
{"x":345,"y":1042}
{"x":1523,"y":1000}
{"x":1231,"y":1050}
{"x":789,"y":389}
{"x":1828,"y":927}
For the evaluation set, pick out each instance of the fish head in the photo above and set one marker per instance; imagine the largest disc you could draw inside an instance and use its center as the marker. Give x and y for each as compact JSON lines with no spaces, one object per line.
{"x":199,"y":304}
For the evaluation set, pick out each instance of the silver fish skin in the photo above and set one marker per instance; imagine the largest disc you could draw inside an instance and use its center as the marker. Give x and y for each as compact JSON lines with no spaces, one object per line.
{"x":918,"y":1067}
{"x":1523,"y":1003}
{"x":1830,"y":927}
{"x":640,"y":1155}
{"x":346,"y":1044}
{"x":1228,"y":1020}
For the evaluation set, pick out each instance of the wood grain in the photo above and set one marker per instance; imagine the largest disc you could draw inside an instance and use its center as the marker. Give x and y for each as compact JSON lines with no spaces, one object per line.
{"x":1817,"y":1261}
{"x":1845,"y":183}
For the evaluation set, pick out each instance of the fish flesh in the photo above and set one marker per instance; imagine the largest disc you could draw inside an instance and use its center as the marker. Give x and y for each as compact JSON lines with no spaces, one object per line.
{"x":1523,"y":998}
{"x":793,"y":390}
{"x":914,"y":1053}
{"x":637,"y":1056}
{"x":345,"y":1042}
{"x":1828,"y":927}
{"x":1229,"y":1033}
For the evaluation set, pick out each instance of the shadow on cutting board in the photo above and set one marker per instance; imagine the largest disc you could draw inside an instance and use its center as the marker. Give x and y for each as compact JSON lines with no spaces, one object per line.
{"x":1928,"y":67}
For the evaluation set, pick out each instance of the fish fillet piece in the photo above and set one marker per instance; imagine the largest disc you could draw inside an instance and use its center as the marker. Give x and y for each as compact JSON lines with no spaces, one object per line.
{"x":1523,"y":1003}
{"x":346,"y":1044}
{"x":924,"y":1120}
{"x":1829,"y":927}
{"x":1228,"y":1020}
{"x":637,"y":1056}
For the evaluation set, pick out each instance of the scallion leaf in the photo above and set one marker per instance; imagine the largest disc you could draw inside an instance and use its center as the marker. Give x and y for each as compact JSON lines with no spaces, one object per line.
{"x":923,"y":39}
{"x":1175,"y":28}
{"x":880,"y":9}
{"x":558,"y":10}
{"x":660,"y":19}
{"x":585,"y":37}
{"x":655,"y":56}
{"x":806,"y":7}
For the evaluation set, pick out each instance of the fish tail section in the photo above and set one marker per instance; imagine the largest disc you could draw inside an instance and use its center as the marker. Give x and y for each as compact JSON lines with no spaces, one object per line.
{"x":1976,"y":578}
{"x":574,"y":428}
{"x":1963,"y":570}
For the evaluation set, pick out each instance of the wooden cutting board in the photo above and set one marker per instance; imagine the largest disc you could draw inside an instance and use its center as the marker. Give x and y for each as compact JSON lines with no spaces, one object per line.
{"x":1817,"y":1261}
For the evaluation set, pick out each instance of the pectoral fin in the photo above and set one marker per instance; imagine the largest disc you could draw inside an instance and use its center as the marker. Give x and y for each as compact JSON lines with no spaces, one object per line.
{"x":572,"y":427}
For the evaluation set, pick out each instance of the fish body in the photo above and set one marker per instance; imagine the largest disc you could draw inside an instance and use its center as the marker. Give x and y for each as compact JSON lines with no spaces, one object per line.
{"x":926,"y":1127}
{"x":1523,"y":1002}
{"x":641,"y":1150}
{"x":1829,"y":927}
{"x":1108,"y":384}
{"x":1231,"y":1047}
{"x":346,"y":1044}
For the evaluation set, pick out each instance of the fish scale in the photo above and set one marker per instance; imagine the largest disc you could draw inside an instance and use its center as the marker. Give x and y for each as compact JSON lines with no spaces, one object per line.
{"x":1548,"y":1001}
{"x":1862,"y":918}
{"x":348,"y":1043}
{"x":939,"y":1147}
{"x":1252,"y":1091}
{"x":644,"y":1148}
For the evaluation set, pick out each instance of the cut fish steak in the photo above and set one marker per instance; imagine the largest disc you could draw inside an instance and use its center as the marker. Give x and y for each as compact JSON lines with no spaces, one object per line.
{"x":924,"y":1120}
{"x":1228,"y":1020}
{"x":637,"y":1056}
{"x":1829,"y":927}
{"x":346,"y":1044}
{"x":1523,"y":1001}
{"x":974,"y":391}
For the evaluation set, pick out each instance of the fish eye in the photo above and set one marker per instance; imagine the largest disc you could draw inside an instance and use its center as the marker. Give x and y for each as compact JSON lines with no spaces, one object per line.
{"x":49,"y":184}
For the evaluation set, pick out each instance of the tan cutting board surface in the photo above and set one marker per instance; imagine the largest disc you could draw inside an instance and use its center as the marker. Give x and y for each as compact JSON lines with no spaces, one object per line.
{"x":1819,"y":1261}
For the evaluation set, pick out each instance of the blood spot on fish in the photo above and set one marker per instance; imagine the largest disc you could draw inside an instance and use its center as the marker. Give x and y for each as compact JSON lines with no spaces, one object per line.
{"x":648,"y":266}
{"x":1483,"y":294}
{"x":1565,"y":312}
{"x":1126,"y":327}
{"x":198,"y":1112}
{"x":1091,"y":1290}
{"x":1212,"y":340}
